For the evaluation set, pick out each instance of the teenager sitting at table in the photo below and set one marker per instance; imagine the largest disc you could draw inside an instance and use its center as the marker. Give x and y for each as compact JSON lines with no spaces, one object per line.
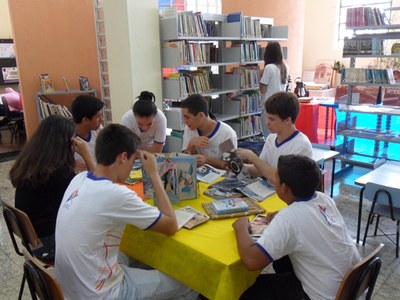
{"x":87,"y":112}
{"x":308,"y":240}
{"x":148,"y":122}
{"x":202,"y":135}
{"x":42,"y":172}
{"x":282,"y":109}
{"x":92,"y":218}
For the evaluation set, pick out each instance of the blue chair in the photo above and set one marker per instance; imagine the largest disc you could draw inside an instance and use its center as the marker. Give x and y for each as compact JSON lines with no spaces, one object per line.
{"x":385,"y":203}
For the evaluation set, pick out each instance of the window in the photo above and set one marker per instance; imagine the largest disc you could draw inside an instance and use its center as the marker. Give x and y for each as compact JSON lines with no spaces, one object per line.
{"x":205,"y":6}
{"x":345,"y":4}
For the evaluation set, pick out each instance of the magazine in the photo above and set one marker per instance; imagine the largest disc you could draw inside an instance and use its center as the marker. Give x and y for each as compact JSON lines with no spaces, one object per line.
{"x":231,"y":205}
{"x":258,"y":224}
{"x":197,"y":219}
{"x":207,"y":173}
{"x":182,"y":217}
{"x":220,"y":194}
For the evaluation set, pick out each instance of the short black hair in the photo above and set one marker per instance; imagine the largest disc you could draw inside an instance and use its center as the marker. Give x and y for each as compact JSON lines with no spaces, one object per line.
{"x":144,"y":106}
{"x":85,"y":106}
{"x":196,"y":103}
{"x":283,"y":104}
{"x":113,"y":140}
{"x":300,"y":173}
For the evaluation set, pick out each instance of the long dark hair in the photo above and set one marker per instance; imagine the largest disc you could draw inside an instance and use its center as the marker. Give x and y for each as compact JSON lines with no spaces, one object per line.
{"x":145,"y":106}
{"x":48,"y":150}
{"x":274,"y":55}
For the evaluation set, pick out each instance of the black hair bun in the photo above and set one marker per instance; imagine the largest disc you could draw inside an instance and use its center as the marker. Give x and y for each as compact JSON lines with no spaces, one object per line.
{"x":147,"y":96}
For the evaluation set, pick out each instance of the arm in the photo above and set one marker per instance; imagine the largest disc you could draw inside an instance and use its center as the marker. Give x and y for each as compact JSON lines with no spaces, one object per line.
{"x":252,"y":257}
{"x":167,"y":223}
{"x":199,"y":141}
{"x":83,"y":149}
{"x":202,"y":159}
{"x":258,"y":167}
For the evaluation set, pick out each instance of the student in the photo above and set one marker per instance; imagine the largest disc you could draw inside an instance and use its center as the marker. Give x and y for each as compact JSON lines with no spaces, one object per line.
{"x":274,"y":77}
{"x":92,"y":218}
{"x":282,"y":109}
{"x":308,"y":238}
{"x":87,"y":112}
{"x":42,"y":172}
{"x":203,"y":135}
{"x":148,"y":122}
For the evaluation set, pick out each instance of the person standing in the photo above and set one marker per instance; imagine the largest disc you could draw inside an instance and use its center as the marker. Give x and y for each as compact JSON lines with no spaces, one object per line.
{"x":274,"y":77}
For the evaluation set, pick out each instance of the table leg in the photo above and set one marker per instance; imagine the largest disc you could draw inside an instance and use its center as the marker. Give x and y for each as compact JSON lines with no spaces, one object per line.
{"x":333,"y":175}
{"x":359,"y":214}
{"x":326,"y":122}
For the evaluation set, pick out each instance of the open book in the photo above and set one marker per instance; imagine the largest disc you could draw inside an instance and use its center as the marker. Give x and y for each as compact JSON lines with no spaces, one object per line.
{"x":208,"y":174}
{"x":197,"y":217}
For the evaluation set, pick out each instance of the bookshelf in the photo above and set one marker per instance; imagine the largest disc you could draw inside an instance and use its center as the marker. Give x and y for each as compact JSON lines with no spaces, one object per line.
{"x":217,"y":56}
{"x":370,"y":39}
{"x":58,"y":102}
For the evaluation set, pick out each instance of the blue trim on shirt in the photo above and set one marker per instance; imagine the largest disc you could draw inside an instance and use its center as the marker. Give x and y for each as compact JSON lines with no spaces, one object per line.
{"x":305,"y":199}
{"x":287,"y":140}
{"x":155,"y":221}
{"x":264,"y":251}
{"x":93,"y":177}
{"x":89,"y":137}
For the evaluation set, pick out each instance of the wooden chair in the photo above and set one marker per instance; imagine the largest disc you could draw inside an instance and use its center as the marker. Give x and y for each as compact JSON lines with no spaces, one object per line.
{"x":360,"y":279}
{"x":42,"y":283}
{"x":386,"y":203}
{"x":13,"y":120}
{"x":19,"y":224}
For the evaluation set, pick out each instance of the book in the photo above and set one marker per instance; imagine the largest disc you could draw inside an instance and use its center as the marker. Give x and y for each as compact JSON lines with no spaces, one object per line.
{"x":134,"y":177}
{"x":220,"y":194}
{"x":254,"y":209}
{"x":258,"y":190}
{"x":197,"y":219}
{"x":84,"y":83}
{"x":208,"y":174}
{"x":230,"y":205}
{"x":182,"y":217}
{"x":258,"y":225}
{"x":46,"y":83}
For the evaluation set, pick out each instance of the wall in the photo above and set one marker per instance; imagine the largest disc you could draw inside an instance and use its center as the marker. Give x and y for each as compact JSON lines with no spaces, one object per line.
{"x":133,"y":50}
{"x":289,"y":12}
{"x":5,"y":22}
{"x":54,"y":37}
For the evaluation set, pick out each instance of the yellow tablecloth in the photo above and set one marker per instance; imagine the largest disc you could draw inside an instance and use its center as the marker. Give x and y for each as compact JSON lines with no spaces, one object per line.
{"x":204,"y":258}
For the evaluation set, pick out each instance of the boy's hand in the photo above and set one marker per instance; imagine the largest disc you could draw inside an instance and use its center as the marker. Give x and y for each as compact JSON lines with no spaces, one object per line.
{"x":200,"y":159}
{"x":149,"y":162}
{"x":242,"y":222}
{"x":246,"y":154}
{"x":199,"y":141}
{"x":80,"y":145}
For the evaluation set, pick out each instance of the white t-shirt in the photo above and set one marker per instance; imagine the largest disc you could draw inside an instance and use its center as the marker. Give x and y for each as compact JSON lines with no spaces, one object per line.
{"x":297,"y":143}
{"x":313,"y":233}
{"x":272,"y":78}
{"x":80,"y":164}
{"x":220,"y":134}
{"x":155,"y":134}
{"x":89,"y":227}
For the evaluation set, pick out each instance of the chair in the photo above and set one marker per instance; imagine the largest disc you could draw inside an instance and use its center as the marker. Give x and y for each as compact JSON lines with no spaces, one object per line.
{"x":386,"y":203}
{"x":19,"y":224}
{"x":41,"y":282}
{"x":13,"y":120}
{"x":360,"y":279}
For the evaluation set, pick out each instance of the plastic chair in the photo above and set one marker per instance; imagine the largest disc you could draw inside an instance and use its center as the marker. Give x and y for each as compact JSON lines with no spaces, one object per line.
{"x":13,"y":120}
{"x":19,"y":224}
{"x":386,"y":203}
{"x":41,"y":282}
{"x":360,"y":279}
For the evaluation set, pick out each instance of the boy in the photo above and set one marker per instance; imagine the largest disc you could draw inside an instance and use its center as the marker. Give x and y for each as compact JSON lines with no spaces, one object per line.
{"x":282,"y":109}
{"x":310,"y":231}
{"x":87,"y":112}
{"x":203,"y":135}
{"x":91,"y":220}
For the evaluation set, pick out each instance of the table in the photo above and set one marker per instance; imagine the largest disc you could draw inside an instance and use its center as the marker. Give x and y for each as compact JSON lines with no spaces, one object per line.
{"x":204,"y":258}
{"x":330,"y":106}
{"x":307,"y":120}
{"x":387,"y":174}
{"x":321,"y":154}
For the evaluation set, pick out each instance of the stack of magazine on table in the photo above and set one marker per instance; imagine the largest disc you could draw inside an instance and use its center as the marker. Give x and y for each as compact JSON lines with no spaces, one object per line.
{"x":255,"y":188}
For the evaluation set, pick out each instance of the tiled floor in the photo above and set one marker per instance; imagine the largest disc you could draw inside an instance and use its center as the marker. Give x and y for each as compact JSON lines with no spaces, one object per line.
{"x":345,"y":194}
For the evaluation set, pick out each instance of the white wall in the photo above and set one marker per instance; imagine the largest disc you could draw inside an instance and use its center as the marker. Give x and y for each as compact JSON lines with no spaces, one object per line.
{"x":5,"y":22}
{"x":133,"y":49}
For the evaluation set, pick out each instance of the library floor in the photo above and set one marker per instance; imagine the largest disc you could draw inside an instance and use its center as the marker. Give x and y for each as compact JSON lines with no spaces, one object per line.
{"x":345,"y":193}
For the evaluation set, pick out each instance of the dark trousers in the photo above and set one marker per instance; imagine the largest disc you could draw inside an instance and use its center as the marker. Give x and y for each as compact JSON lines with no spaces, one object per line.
{"x":282,"y":285}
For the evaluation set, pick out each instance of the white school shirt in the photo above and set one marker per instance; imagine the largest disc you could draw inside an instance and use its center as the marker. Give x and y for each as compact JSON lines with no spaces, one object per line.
{"x":90,"y":223}
{"x":313,"y":233}
{"x":297,"y":143}
{"x":155,"y":134}
{"x":220,"y":134}
{"x":271,"y":77}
